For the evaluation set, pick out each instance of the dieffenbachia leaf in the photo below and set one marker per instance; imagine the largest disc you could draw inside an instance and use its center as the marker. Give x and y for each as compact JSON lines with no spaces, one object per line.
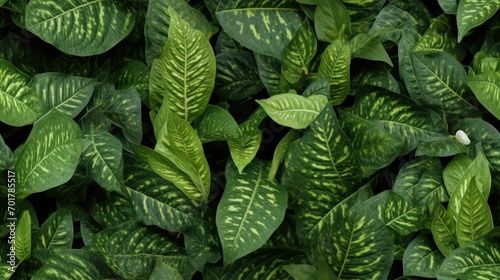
{"x":161,"y":269}
{"x":335,"y":64}
{"x":226,"y":43}
{"x":187,"y":70}
{"x":6,"y":156}
{"x":103,"y":160}
{"x":369,"y":47}
{"x":331,"y":20}
{"x":438,"y":38}
{"x":251,"y":209}
{"x":486,"y":87}
{"x":139,"y":248}
{"x":237,"y":75}
{"x":301,"y":271}
{"x":281,"y":151}
{"x":56,"y":232}
{"x":20,"y":105}
{"x":132,"y":75}
{"x":474,"y":218}
{"x":159,"y":202}
{"x":375,"y":75}
{"x":489,"y":272}
{"x":422,"y":258}
{"x":443,"y":230}
{"x":293,"y":110}
{"x":50,"y":155}
{"x":69,"y":264}
{"x":319,"y":87}
{"x":263,"y":27}
{"x":110,"y":209}
{"x":69,"y":94}
{"x":270,"y":74}
{"x":472,"y":13}
{"x":123,"y":109}
{"x":23,"y":237}
{"x":477,"y":254}
{"x":444,"y":147}
{"x":400,"y":116}
{"x":298,"y":53}
{"x":71,"y":26}
{"x":449,"y":6}
{"x":216,"y":124}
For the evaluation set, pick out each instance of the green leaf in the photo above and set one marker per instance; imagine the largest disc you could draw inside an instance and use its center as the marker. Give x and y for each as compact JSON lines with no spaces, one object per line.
{"x":237,"y":75}
{"x":399,"y":116}
{"x":70,"y":264}
{"x":161,"y":269}
{"x":103,"y":160}
{"x":50,"y":154}
{"x":449,"y":6}
{"x":444,"y":231}
{"x":72,"y":26}
{"x":216,"y":124}
{"x":298,"y":53}
{"x":133,"y":75}
{"x":188,"y":70}
{"x":293,"y":110}
{"x":482,"y":273}
{"x":444,"y":147}
{"x":23,"y":237}
{"x":422,"y":258}
{"x":226,"y":43}
{"x":158,"y":202}
{"x":375,"y":75}
{"x":251,"y":209}
{"x":319,"y":87}
{"x":486,"y":88}
{"x":20,"y":106}
{"x":369,"y":47}
{"x":123,"y":109}
{"x":68,"y":94}
{"x":301,"y":271}
{"x":438,"y":38}
{"x":270,"y":73}
{"x":110,"y":209}
{"x":474,"y":219}
{"x":263,"y":27}
{"x":335,"y":64}
{"x":56,"y":232}
{"x":331,"y":20}
{"x":281,"y":151}
{"x":472,"y":13}
{"x":140,"y":248}
{"x":6,"y":156}
{"x":478,"y":254}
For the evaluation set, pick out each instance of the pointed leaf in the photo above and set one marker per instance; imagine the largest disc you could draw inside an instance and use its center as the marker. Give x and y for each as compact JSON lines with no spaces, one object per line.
{"x":123,"y":109}
{"x":369,"y":47}
{"x":335,"y":64}
{"x":56,"y":232}
{"x":486,"y":87}
{"x":281,"y":151}
{"x":422,"y":258}
{"x":472,"y":13}
{"x":270,"y":73}
{"x":444,"y":147}
{"x":482,"y":273}
{"x":298,"y":53}
{"x":444,"y":231}
{"x":110,"y":209}
{"x":216,"y":124}
{"x":331,"y":20}
{"x":251,"y":209}
{"x":23,"y":237}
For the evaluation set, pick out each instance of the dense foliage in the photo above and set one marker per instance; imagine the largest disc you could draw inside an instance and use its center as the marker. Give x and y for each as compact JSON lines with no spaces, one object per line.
{"x":245,"y":139}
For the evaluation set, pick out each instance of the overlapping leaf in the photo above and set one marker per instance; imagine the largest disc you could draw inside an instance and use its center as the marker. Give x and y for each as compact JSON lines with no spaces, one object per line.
{"x":486,"y":87}
{"x":331,"y":20}
{"x":298,"y":53}
{"x":56,"y":232}
{"x":23,"y":237}
{"x":422,"y":258}
{"x":281,"y":151}
{"x":216,"y":124}
{"x":111,"y":209}
{"x":443,"y":230}
{"x":472,"y":13}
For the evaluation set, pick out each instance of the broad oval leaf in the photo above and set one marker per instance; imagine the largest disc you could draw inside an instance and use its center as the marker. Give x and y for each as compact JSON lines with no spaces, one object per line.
{"x":293,"y":110}
{"x":216,"y":124}
{"x":472,"y":13}
{"x":335,"y":64}
{"x":50,"y":155}
{"x":369,"y":47}
{"x":123,"y":109}
{"x":298,"y":53}
{"x":422,"y":258}
{"x":444,"y":147}
{"x":331,"y":20}
{"x":56,"y":232}
{"x":73,"y":26}
{"x":443,"y":230}
{"x":251,"y":209}
{"x":486,"y":87}
{"x":263,"y":27}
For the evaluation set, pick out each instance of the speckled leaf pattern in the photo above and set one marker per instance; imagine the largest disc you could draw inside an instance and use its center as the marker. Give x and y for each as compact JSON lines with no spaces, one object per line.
{"x":444,"y":231}
{"x":159,"y":202}
{"x":68,"y":94}
{"x":281,"y":151}
{"x":6,"y":156}
{"x":331,"y":20}
{"x":50,"y":155}
{"x":270,"y":73}
{"x":400,"y":116}
{"x":264,"y":27}
{"x":140,"y":247}
{"x":490,"y":272}
{"x":422,"y":258}
{"x":444,"y":147}
{"x":23,"y":237}
{"x":251,"y":209}
{"x":216,"y":124}
{"x":110,"y":209}
{"x":369,"y":47}
{"x":188,"y":69}
{"x":484,"y":252}
{"x":293,"y":110}
{"x":123,"y":109}
{"x":298,"y":53}
{"x":486,"y":87}
{"x":439,"y":37}
{"x":472,"y":13}
{"x":70,"y":264}
{"x":20,"y":106}
{"x":80,"y":27}
{"x":103,"y":160}
{"x":335,"y":64}
{"x":133,"y":75}
{"x":56,"y":232}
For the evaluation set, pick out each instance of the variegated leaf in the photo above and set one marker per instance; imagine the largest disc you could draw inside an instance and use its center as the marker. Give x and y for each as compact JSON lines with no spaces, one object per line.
{"x":263,"y":27}
{"x":72,"y":26}
{"x":444,"y":147}
{"x":335,"y":64}
{"x":281,"y":151}
{"x":23,"y":237}
{"x":251,"y":209}
{"x":331,"y":20}
{"x":216,"y":124}
{"x":439,"y":37}
{"x":486,"y":87}
{"x":374,"y":75}
{"x":110,"y":209}
{"x":133,"y":75}
{"x":270,"y":73}
{"x":298,"y":53}
{"x":123,"y":109}
{"x":472,"y":13}
{"x":443,"y":230}
{"x":6,"y":156}
{"x":422,"y":258}
{"x":487,"y":272}
{"x":56,"y":232}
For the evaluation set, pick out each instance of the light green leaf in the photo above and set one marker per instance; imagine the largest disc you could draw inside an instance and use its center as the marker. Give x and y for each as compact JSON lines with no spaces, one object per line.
{"x":298,"y":53}
{"x":369,"y":47}
{"x":472,"y":13}
{"x":331,"y":20}
{"x":103,"y":160}
{"x":216,"y":124}
{"x":444,"y":147}
{"x":293,"y":110}
{"x":20,"y":106}
{"x":443,"y":229}
{"x":486,"y":87}
{"x":474,"y":219}
{"x":158,"y":202}
{"x":188,"y":70}
{"x":335,"y":64}
{"x":399,"y":116}
{"x":422,"y":258}
{"x":50,"y":155}
{"x":478,"y":254}
{"x":72,"y":26}
{"x":281,"y":151}
{"x":237,"y":75}
{"x":68,"y":94}
{"x":251,"y":209}
{"x":490,"y":272}
{"x":23,"y":237}
{"x":263,"y":27}
{"x":56,"y":232}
